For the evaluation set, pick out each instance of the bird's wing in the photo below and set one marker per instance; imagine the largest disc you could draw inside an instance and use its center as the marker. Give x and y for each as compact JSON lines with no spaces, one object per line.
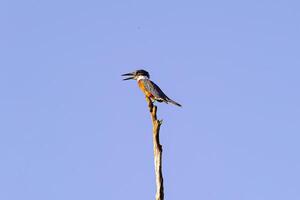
{"x":157,"y":92}
{"x":154,"y":89}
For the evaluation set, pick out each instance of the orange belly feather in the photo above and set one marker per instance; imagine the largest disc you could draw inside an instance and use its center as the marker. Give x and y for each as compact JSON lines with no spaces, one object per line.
{"x":142,"y":87}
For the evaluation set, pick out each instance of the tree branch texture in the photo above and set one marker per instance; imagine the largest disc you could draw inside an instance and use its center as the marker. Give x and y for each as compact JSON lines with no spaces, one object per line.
{"x":157,"y":147}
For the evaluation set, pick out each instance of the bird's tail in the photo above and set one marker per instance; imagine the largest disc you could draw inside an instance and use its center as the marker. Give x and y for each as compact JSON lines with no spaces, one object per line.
{"x":173,"y":102}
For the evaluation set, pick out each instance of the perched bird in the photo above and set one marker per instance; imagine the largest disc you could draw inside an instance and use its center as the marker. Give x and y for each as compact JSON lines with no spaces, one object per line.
{"x":149,"y":88}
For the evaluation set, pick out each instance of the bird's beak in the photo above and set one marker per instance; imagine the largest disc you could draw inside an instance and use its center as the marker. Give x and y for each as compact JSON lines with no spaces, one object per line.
{"x":128,"y":78}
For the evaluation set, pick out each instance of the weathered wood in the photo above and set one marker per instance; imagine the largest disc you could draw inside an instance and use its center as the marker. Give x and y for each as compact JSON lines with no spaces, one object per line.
{"x":157,"y":148}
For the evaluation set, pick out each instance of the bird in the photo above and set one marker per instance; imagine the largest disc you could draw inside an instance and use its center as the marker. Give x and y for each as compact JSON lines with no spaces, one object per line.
{"x":149,"y":88}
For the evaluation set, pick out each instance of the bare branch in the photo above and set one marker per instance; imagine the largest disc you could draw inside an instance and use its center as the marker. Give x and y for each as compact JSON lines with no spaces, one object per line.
{"x":157,"y":147}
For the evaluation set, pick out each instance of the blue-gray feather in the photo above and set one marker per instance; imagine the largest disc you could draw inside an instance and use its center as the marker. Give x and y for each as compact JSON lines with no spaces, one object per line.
{"x":158,"y":94}
{"x":154,"y":89}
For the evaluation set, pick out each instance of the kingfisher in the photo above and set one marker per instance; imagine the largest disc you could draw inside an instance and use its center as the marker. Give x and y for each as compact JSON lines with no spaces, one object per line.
{"x":150,"y":89}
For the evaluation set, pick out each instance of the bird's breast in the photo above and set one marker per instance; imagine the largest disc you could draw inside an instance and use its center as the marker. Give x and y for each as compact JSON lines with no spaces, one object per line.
{"x":143,"y":88}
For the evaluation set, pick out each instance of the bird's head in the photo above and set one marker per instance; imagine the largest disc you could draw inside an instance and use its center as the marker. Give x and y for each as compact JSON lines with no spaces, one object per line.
{"x":136,"y":75}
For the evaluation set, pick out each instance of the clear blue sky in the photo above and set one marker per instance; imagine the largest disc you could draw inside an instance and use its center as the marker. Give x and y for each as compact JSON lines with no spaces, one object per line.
{"x":71,"y":129}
